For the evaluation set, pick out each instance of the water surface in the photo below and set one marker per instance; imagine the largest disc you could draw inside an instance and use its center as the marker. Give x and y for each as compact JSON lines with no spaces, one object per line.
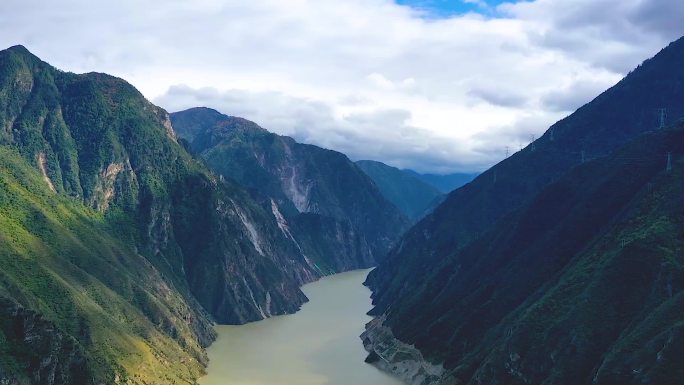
{"x":319,"y":345}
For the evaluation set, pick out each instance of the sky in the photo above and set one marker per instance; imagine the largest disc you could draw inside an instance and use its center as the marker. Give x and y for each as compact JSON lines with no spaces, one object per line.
{"x":434,"y":85}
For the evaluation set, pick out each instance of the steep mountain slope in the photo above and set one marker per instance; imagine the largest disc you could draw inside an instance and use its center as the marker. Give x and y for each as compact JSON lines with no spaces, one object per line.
{"x":445,"y":183}
{"x":118,"y":247}
{"x":411,"y":195}
{"x":466,"y":255}
{"x":596,"y":129}
{"x":79,"y":305}
{"x":325,"y":203}
{"x":585,"y":284}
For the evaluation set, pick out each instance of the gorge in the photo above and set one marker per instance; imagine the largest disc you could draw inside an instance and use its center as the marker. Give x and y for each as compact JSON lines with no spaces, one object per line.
{"x":142,"y":247}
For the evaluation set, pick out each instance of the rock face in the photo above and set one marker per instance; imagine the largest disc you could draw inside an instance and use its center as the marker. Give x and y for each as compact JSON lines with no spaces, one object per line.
{"x":48,"y":356}
{"x":404,"y":189}
{"x":321,"y":200}
{"x":403,"y":360}
{"x":550,"y":267}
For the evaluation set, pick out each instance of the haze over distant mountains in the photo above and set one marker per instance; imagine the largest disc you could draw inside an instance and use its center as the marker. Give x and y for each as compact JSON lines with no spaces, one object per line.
{"x":413,"y":193}
{"x":445,"y":183}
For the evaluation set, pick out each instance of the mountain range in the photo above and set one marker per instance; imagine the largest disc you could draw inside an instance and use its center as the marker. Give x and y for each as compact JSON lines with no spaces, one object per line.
{"x":559,"y":264}
{"x":128,"y":232}
{"x":331,"y":211}
{"x":119,"y":248}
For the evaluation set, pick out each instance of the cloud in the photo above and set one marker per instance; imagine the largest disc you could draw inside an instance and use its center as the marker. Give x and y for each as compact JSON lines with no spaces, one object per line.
{"x":499,"y":97}
{"x":368,"y":77}
{"x":385,"y":133}
{"x":573,"y":95}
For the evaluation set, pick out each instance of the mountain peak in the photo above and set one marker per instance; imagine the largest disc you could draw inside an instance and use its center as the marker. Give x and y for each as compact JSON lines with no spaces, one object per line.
{"x":205,"y":121}
{"x":18,"y":48}
{"x":22,"y":52}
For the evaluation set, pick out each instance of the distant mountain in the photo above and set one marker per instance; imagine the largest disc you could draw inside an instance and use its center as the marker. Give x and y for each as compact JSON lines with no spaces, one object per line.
{"x":445,"y":183}
{"x":409,"y":193}
{"x":326,"y":205}
{"x":498,"y":248}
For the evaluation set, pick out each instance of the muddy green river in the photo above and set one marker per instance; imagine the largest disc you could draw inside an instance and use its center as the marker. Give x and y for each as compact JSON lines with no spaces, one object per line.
{"x":319,"y":345}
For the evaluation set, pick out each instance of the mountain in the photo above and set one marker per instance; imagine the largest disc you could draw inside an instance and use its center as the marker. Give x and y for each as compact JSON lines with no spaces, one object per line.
{"x":118,"y":248}
{"x":410,"y":194}
{"x":585,"y":284}
{"x":445,"y":183}
{"x":477,"y":226}
{"x":325,"y":204}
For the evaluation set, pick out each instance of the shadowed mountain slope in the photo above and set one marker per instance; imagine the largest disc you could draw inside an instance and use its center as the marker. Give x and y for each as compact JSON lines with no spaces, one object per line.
{"x":513,"y":278}
{"x":410,"y":194}
{"x":333,"y":212}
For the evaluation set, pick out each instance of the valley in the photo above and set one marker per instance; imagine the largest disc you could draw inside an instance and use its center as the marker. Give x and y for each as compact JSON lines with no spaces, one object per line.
{"x":146,"y":246}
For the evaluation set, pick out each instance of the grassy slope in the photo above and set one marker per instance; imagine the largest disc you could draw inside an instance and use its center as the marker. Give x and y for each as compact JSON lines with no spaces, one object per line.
{"x":70,"y":264}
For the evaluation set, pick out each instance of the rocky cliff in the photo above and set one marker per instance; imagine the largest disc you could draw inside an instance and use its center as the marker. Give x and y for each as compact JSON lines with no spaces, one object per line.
{"x":323,"y":202}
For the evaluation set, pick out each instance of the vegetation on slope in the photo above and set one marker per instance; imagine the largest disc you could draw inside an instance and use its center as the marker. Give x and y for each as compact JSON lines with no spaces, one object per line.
{"x":595,"y":130}
{"x":410,"y":194}
{"x":77,"y":270}
{"x":326,"y":204}
{"x":550,"y":267}
{"x":117,"y":243}
{"x":583,"y":285}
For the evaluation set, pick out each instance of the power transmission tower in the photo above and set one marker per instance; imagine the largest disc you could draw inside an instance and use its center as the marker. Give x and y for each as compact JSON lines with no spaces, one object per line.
{"x":507,"y":151}
{"x":669,"y":162}
{"x":532,"y":143}
{"x":662,"y":112}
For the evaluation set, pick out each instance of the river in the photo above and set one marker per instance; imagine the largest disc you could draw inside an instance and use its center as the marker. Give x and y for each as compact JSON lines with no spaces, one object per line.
{"x":319,"y":345}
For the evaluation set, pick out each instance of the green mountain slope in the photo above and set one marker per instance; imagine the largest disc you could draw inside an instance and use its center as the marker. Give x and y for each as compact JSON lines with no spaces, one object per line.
{"x":596,"y":129}
{"x":80,"y":306}
{"x":325,"y":204}
{"x":118,"y":247}
{"x":471,"y":240}
{"x":582,"y":285}
{"x":410,"y":194}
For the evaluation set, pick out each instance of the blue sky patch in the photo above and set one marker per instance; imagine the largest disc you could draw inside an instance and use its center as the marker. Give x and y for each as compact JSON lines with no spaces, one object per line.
{"x":446,"y":8}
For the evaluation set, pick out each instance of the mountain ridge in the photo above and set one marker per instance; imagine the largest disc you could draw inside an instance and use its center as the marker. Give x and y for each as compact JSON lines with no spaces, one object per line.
{"x":319,"y":195}
{"x":476,"y":217}
{"x":410,"y":194}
